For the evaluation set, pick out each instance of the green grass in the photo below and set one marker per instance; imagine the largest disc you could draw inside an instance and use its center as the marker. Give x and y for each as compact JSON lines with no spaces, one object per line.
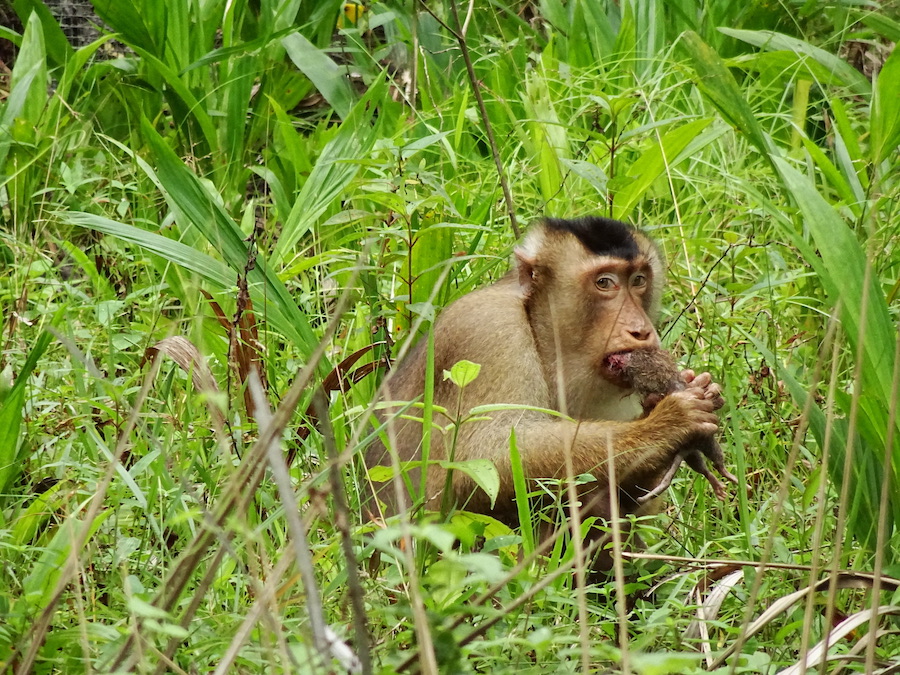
{"x":331,"y":206}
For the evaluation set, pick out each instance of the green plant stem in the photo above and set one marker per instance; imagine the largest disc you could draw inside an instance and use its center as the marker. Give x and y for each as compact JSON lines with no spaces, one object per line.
{"x":460,"y":36}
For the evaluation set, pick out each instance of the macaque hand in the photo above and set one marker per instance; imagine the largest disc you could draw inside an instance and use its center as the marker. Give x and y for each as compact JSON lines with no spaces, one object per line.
{"x":712,"y":391}
{"x":689,"y":411}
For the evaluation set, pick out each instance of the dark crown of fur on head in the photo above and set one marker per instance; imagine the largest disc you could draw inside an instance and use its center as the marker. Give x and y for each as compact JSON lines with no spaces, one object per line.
{"x":601,"y":236}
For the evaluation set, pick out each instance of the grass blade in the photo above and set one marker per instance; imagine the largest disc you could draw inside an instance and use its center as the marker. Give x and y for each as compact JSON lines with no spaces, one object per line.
{"x":885,"y":123}
{"x":189,"y":198}
{"x":325,"y":74}
{"x":660,"y":157}
{"x":11,"y":408}
{"x":719,"y":86}
{"x":337,"y":166}
{"x":840,"y":250}
{"x":767,"y":39}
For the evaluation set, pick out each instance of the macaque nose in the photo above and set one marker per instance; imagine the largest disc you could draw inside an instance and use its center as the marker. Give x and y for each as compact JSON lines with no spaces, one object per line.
{"x":641,"y":334}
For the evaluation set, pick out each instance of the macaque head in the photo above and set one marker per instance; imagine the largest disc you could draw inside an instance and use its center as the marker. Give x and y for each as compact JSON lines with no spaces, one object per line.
{"x":592,"y":288}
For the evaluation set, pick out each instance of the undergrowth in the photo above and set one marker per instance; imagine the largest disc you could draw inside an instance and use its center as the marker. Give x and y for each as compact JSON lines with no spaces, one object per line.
{"x":212,"y":190}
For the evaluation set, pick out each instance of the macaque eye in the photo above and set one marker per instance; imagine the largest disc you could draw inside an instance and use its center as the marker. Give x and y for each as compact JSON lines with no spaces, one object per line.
{"x":605,"y":283}
{"x":639,"y":281}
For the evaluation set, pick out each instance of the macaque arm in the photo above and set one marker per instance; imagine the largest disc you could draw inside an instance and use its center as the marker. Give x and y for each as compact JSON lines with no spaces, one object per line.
{"x":643,"y":449}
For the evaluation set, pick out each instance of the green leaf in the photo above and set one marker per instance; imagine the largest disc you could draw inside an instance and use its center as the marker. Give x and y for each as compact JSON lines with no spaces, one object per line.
{"x":145,"y":609}
{"x":337,"y":165}
{"x":843,"y":276}
{"x":10,"y":423}
{"x":11,"y":413}
{"x":719,"y":86}
{"x":194,"y":205}
{"x":212,"y":270}
{"x":428,"y":260}
{"x":462,"y":373}
{"x":482,"y":471}
{"x":237,"y":95}
{"x":182,"y":100}
{"x":866,"y":469}
{"x":57,"y":44}
{"x":520,"y":486}
{"x":10,"y":35}
{"x":784,"y":66}
{"x":882,"y":24}
{"x":849,"y":76}
{"x":242,"y":49}
{"x":885,"y":121}
{"x":833,"y":175}
{"x":125,"y":19}
{"x":330,"y":79}
{"x":15,"y":103}
{"x":31,"y":67}
{"x":657,"y":159}
{"x":380,"y":473}
{"x":38,"y":584}
{"x":37,"y":514}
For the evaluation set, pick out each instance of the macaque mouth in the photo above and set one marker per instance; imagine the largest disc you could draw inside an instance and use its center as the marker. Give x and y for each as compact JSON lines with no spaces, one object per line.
{"x":637,"y":368}
{"x":615,"y":367}
{"x":617,"y":362}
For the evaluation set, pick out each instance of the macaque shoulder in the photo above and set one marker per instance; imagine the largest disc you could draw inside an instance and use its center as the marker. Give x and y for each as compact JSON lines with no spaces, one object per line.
{"x":490,"y":327}
{"x":486,"y":324}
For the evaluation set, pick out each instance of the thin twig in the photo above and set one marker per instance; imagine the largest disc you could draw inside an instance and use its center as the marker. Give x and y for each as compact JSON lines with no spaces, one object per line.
{"x":267,"y":596}
{"x":460,"y":37}
{"x":780,"y":500}
{"x":578,"y":545}
{"x":883,"y":505}
{"x":299,"y":537}
{"x":618,"y":567}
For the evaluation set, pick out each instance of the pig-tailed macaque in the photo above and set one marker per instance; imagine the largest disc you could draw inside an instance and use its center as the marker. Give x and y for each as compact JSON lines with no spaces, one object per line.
{"x":556,"y":333}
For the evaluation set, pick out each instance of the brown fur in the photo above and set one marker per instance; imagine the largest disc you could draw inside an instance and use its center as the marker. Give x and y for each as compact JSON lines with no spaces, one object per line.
{"x":543,"y":336}
{"x":652,"y":372}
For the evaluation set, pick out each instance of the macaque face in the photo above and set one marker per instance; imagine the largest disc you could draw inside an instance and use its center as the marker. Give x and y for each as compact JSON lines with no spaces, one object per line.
{"x":618,"y":289}
{"x":592,"y":295}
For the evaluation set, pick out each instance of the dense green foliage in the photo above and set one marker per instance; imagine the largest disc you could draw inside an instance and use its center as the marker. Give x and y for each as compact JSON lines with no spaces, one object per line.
{"x":291,"y":183}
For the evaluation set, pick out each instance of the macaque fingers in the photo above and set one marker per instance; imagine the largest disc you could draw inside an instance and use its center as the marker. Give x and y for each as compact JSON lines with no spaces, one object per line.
{"x":703,"y":380}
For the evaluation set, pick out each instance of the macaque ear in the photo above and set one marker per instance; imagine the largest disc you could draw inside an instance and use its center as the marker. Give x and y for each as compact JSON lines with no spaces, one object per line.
{"x":526,"y":260}
{"x":525,"y":263}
